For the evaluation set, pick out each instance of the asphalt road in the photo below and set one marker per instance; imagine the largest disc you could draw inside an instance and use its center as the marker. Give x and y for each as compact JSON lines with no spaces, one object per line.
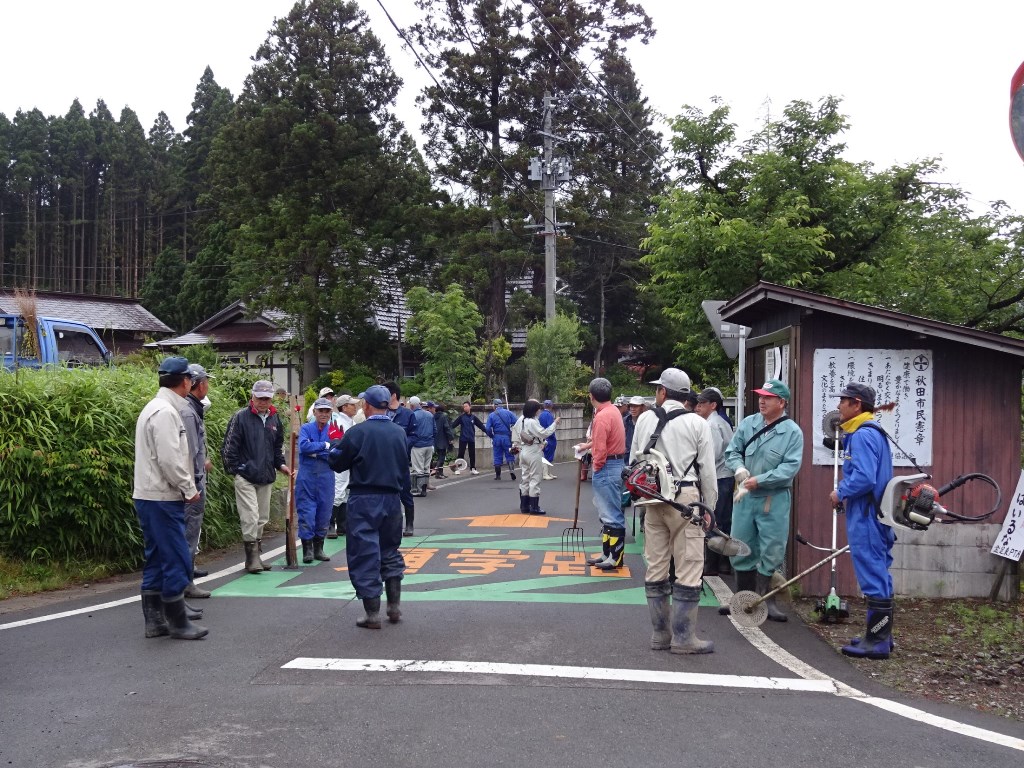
{"x":509,"y":653}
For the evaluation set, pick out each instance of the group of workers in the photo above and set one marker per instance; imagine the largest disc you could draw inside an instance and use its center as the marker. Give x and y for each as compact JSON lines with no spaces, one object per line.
{"x":379,"y":455}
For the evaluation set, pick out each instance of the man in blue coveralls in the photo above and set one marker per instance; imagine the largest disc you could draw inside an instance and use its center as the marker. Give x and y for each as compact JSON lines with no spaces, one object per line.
{"x":499,"y":429}
{"x":764,"y":455}
{"x":314,"y":487}
{"x":546,"y":419}
{"x":867,"y":469}
{"x":375,"y":454}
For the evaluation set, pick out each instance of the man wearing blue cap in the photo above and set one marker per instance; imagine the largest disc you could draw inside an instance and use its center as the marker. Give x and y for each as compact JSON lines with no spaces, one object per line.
{"x":193,"y":414}
{"x":546,"y":419}
{"x":163,"y":483}
{"x":764,"y":456}
{"x":499,"y":429}
{"x":374,"y":452}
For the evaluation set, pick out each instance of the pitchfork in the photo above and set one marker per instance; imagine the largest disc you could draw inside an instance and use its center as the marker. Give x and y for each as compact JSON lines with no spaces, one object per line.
{"x":572,"y":538}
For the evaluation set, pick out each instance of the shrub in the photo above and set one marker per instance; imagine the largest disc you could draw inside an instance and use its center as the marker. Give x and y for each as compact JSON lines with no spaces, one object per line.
{"x":67,"y":444}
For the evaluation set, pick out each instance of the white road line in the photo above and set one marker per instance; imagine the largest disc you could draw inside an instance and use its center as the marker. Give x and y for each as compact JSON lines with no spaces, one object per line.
{"x":761,"y":642}
{"x":577,"y":673}
{"x":133,"y":599}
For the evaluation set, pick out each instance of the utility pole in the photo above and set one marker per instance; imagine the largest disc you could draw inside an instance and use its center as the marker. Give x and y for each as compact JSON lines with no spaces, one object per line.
{"x":550,"y":172}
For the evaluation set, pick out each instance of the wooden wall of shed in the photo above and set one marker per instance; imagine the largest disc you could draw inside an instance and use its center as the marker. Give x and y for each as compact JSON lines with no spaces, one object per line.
{"x":977,"y":428}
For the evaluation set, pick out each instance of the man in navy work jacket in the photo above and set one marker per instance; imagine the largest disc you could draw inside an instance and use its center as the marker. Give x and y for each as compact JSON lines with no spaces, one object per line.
{"x":499,"y":429}
{"x":374,"y":452}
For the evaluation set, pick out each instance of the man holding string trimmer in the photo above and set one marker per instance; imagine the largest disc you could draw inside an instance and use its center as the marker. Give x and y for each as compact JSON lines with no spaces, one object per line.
{"x":867,"y":468}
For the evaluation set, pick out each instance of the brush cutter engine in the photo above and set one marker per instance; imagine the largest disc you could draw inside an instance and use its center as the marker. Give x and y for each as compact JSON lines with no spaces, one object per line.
{"x":910,"y":502}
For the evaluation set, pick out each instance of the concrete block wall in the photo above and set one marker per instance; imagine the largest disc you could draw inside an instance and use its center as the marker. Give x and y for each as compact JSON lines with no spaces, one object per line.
{"x":947,"y":561}
{"x":572,"y":429}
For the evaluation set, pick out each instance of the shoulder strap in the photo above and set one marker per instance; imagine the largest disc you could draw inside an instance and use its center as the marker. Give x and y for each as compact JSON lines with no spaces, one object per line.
{"x":761,"y":431}
{"x":663,"y":418}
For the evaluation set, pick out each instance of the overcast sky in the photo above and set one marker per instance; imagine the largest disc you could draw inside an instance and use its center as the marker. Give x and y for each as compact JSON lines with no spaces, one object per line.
{"x":917,"y":79}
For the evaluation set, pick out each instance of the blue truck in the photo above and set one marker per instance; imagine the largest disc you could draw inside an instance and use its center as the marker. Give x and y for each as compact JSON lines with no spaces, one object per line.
{"x":49,"y":341}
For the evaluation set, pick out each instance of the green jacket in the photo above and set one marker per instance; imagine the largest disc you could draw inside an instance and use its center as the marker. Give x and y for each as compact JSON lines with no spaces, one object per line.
{"x":773,"y":458}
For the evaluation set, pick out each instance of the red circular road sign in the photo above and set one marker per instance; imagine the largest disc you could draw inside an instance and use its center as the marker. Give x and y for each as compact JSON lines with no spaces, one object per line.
{"x":1017,"y":110}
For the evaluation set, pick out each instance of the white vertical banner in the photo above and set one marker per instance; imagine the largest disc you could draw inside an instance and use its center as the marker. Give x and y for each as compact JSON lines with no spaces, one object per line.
{"x":1010,"y":541}
{"x":901,"y":376}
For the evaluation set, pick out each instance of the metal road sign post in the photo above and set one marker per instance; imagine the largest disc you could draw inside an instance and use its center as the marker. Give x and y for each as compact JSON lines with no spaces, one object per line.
{"x":733,"y":338}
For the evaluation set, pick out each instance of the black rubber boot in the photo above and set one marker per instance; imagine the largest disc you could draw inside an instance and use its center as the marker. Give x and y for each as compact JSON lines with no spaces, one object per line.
{"x":153,"y":610}
{"x":746,"y":581}
{"x":877,"y":640}
{"x":318,"y":550}
{"x":180,"y":628}
{"x":193,"y":613}
{"x":393,"y":589}
{"x":535,"y":506}
{"x":307,"y":551}
{"x":616,"y":549}
{"x":511,"y":473}
{"x":332,"y":526}
{"x":605,"y":551}
{"x":259,"y":551}
{"x":524,"y":504}
{"x":764,"y":586}
{"x":371,"y":605}
{"x":198,"y":573}
{"x":252,"y":558}
{"x":658,"y":601}
{"x":684,"y":622}
{"x":195,"y":592}
{"x":497,"y":473}
{"x":410,"y":518}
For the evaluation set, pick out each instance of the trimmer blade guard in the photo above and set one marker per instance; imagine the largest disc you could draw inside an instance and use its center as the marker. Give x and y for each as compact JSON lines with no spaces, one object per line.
{"x":728,"y":546}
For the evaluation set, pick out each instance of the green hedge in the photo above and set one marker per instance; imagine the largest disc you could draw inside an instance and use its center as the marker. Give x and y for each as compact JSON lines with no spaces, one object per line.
{"x":67,"y":444}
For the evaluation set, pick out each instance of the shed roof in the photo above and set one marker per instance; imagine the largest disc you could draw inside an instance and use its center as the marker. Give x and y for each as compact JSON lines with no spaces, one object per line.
{"x":230,"y":327}
{"x":113,"y":313}
{"x":764,"y":299}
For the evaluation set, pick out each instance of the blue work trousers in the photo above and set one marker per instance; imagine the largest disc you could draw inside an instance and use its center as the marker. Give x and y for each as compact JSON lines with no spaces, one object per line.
{"x":501,"y":449}
{"x":314,"y":501}
{"x":607,"y":486}
{"x":549,"y":448}
{"x":870,"y":548}
{"x":763,"y":523}
{"x":168,"y":566}
{"x":373,"y":535}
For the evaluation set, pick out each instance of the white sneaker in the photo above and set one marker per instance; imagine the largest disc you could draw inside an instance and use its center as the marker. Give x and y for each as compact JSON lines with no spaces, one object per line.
{"x":458,"y":471}
{"x":473,"y":472}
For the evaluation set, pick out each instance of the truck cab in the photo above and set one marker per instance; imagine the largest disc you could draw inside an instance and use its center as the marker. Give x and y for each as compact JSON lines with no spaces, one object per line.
{"x":53,"y":341}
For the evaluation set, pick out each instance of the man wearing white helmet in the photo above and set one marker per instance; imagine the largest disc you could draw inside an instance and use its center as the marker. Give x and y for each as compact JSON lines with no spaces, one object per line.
{"x":687,"y":444}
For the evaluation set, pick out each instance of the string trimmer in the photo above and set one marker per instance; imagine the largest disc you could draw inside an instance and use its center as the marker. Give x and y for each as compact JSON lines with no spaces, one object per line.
{"x":831,"y":608}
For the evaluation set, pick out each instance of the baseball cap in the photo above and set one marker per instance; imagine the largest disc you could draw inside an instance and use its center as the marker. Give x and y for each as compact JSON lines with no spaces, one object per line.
{"x":637,"y":400}
{"x":674,"y":379}
{"x":710,"y":395}
{"x":378,"y":396}
{"x":774,"y":388}
{"x":174,"y":365}
{"x":414,"y":401}
{"x":198,"y":372}
{"x":346,"y":400}
{"x":858,"y":391}
{"x":322,"y":403}
{"x":548,"y":402}
{"x":263,"y":388}
{"x":325,"y":391}
{"x":497,"y":401}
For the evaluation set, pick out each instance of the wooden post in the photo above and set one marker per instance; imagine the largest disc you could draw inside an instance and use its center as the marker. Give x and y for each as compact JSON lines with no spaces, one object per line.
{"x":296,"y":404}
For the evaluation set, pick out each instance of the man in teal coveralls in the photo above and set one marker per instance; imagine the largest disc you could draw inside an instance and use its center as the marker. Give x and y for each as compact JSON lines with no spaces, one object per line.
{"x":765,"y":454}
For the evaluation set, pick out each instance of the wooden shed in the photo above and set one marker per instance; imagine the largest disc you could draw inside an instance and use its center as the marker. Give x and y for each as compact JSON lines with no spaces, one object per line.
{"x":958,"y":392}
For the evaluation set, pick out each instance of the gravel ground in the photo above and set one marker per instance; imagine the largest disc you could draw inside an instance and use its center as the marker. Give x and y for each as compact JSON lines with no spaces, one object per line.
{"x":968,"y":651}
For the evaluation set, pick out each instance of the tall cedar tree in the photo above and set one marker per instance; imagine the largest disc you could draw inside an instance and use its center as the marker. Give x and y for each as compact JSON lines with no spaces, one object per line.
{"x":494,"y":62}
{"x":315,"y":174}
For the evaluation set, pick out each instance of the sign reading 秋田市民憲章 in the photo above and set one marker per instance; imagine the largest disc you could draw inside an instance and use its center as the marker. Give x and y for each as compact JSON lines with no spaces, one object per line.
{"x":901,"y":376}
